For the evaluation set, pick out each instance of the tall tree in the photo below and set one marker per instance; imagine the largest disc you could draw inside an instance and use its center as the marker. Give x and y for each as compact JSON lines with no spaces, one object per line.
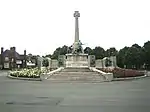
{"x":56,"y":53}
{"x":133,"y":57}
{"x":60,"y":51}
{"x":138,"y":56}
{"x":146,"y":48}
{"x":121,"y":56}
{"x":63,"y":50}
{"x":88,"y":50}
{"x":99,"y":52}
{"x":45,"y":62}
{"x":111,"y":52}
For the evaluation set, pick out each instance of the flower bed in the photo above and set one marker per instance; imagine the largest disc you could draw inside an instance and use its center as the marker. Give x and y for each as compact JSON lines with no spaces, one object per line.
{"x":123,"y":73}
{"x":28,"y":73}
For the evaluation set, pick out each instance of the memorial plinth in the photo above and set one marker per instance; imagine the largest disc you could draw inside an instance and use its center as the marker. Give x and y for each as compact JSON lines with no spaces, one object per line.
{"x":77,"y":60}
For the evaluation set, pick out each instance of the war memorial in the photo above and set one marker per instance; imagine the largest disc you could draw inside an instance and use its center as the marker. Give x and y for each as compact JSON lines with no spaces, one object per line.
{"x":86,"y":94}
{"x":75,"y":66}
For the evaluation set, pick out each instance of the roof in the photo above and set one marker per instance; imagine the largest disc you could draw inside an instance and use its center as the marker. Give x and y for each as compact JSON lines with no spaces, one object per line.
{"x":8,"y":53}
{"x":22,"y":57}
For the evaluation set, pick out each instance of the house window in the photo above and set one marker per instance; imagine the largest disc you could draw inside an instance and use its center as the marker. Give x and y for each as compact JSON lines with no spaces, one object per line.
{"x":6,"y":59}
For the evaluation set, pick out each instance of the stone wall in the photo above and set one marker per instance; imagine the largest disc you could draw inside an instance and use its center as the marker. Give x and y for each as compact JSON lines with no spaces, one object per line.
{"x":91,"y":60}
{"x":113,"y":60}
{"x":101,"y":63}
{"x":62,"y":60}
{"x":54,"y":64}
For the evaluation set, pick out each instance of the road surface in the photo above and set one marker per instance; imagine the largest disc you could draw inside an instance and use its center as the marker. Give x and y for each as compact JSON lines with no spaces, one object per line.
{"x":36,"y":96}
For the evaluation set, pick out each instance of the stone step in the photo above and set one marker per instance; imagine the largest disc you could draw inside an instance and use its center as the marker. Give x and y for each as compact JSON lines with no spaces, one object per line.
{"x":97,"y":75}
{"x":76,"y":70}
{"x":77,"y":78}
{"x":61,"y":76}
{"x":76,"y":81}
{"x":79,"y":73}
{"x":76,"y":75}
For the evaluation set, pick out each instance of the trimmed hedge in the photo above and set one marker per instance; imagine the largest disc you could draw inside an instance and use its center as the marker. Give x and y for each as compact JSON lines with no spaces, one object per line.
{"x":122,"y":73}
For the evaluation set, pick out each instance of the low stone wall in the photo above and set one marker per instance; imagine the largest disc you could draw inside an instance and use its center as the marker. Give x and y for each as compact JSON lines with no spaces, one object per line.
{"x":108,"y":76}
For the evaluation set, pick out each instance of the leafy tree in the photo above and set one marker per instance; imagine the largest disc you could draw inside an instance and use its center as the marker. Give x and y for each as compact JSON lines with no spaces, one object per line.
{"x":130,"y":57}
{"x":60,"y":51}
{"x":121,"y":57}
{"x":45,"y":62}
{"x":138,"y":56}
{"x":49,"y":56}
{"x":88,"y":50}
{"x":56,"y":53}
{"x":63,"y":50}
{"x":99,"y":52}
{"x":111,"y":52}
{"x":146,"y":49}
{"x":133,"y":57}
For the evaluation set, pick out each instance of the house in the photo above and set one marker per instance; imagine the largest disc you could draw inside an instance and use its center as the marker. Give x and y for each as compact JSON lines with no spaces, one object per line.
{"x":10,"y":59}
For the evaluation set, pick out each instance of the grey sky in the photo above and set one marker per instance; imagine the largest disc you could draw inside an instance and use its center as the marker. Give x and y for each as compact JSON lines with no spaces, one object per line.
{"x":40,"y":26}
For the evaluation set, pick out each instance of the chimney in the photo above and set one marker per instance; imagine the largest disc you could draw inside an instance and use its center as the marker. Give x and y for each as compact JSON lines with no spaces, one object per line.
{"x":2,"y":50}
{"x":25,"y":52}
{"x":14,"y":48}
{"x":11,"y":48}
{"x":25,"y":60}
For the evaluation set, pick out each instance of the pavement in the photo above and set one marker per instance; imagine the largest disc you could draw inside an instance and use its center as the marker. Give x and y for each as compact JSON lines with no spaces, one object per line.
{"x":45,"y":96}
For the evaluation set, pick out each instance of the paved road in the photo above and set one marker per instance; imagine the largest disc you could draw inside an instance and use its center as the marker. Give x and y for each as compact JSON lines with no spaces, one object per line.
{"x":34,"y":96}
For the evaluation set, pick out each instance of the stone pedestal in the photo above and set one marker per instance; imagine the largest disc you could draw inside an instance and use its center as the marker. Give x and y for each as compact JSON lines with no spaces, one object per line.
{"x":77,"y":60}
{"x":39,"y":62}
{"x":91,"y":60}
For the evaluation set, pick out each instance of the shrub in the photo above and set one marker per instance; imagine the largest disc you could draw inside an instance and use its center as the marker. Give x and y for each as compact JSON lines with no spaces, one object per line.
{"x":28,"y":73}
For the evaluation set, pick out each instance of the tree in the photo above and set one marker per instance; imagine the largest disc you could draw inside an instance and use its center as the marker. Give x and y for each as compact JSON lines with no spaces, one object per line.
{"x":99,"y":52}
{"x":60,"y":51}
{"x":138,"y":56}
{"x":45,"y":62}
{"x":133,"y":57}
{"x":111,"y":52}
{"x":121,"y":57}
{"x":146,"y":49}
{"x":48,"y":55}
{"x":63,"y":50}
{"x":56,"y":53}
{"x":88,"y":50}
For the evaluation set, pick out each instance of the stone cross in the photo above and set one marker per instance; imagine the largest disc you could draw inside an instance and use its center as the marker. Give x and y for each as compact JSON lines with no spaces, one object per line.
{"x":76,"y":15}
{"x":77,"y":45}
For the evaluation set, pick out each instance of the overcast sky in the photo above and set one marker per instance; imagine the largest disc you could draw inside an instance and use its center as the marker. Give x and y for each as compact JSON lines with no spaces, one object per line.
{"x":40,"y":26}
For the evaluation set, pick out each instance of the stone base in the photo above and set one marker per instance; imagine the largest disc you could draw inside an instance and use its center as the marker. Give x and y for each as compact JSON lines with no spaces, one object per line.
{"x":77,"y":61}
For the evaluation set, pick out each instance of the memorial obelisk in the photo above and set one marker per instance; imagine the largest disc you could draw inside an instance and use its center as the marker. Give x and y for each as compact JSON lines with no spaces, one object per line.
{"x":77,"y":45}
{"x":77,"y":59}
